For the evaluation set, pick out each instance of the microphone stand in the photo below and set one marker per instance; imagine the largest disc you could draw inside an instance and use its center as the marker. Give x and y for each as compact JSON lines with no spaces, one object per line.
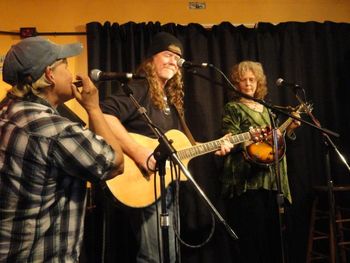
{"x":279,"y":195}
{"x":331,"y":199}
{"x":275,"y":109}
{"x":164,"y":151}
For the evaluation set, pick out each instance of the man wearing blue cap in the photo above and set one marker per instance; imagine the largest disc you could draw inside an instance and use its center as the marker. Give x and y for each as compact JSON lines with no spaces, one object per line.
{"x":45,"y":159}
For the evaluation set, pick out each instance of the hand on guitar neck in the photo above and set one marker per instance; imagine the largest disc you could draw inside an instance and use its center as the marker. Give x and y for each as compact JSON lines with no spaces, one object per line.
{"x":294,"y":124}
{"x":226,"y":145}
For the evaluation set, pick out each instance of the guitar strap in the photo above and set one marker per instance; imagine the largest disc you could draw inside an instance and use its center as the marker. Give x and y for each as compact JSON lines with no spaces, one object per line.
{"x":185,"y":127}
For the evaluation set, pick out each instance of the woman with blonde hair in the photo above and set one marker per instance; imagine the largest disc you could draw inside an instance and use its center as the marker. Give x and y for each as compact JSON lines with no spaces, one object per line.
{"x":249,"y":187}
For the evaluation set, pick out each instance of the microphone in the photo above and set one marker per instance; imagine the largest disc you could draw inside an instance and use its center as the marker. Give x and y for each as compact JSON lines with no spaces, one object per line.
{"x":98,"y":75}
{"x":187,"y":64}
{"x":78,"y":83}
{"x":281,"y":83}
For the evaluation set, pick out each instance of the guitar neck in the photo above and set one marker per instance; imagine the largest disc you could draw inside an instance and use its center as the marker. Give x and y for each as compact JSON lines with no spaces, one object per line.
{"x":284,"y":126}
{"x":211,"y":146}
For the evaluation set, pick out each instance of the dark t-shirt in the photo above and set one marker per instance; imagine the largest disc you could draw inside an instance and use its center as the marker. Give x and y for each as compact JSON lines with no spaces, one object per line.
{"x":121,"y":106}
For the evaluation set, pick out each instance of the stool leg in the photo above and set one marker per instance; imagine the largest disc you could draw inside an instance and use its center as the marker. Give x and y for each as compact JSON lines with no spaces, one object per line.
{"x":332,"y":242}
{"x":339,"y":221}
{"x":311,"y":231}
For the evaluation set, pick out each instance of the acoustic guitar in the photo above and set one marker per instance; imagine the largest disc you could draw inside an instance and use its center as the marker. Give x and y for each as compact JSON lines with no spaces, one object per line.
{"x":135,"y":189}
{"x":262,"y":153}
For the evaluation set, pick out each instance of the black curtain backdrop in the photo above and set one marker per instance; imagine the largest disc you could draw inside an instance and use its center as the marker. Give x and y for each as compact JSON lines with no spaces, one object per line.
{"x":314,"y":55}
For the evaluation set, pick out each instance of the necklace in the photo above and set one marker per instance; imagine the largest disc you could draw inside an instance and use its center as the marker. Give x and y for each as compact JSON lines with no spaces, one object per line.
{"x":166,"y":110}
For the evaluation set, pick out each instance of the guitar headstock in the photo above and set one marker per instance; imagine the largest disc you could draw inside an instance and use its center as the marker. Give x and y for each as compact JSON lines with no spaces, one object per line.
{"x":304,"y":108}
{"x":259,"y":134}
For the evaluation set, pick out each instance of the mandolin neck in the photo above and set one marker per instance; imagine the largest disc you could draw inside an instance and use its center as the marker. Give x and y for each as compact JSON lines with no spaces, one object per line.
{"x":284,"y":126}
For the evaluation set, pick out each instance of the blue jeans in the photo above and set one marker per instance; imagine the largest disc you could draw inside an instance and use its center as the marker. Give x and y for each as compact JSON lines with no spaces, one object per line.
{"x":144,"y":224}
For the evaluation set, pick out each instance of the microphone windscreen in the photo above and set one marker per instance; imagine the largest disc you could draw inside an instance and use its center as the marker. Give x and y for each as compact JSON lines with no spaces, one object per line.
{"x":181,"y":62}
{"x":95,"y":74}
{"x":279,"y":82}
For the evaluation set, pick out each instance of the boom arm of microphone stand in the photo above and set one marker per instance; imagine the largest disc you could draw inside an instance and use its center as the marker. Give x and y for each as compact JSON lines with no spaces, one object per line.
{"x":194,"y":72}
{"x":328,"y":140}
{"x":276,"y":109}
{"x":183,"y":168}
{"x":166,"y":149}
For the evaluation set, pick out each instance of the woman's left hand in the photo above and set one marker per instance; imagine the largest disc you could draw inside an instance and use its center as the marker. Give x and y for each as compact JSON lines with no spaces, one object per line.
{"x":295,"y":123}
{"x":226,"y":146}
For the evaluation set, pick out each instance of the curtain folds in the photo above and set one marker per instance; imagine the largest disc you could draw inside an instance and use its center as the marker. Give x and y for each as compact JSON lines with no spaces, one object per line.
{"x":314,"y":55}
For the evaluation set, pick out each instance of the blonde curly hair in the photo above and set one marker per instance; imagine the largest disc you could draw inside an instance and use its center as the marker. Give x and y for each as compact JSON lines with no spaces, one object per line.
{"x":240,"y":69}
{"x":37,"y":88}
{"x":173,"y":87}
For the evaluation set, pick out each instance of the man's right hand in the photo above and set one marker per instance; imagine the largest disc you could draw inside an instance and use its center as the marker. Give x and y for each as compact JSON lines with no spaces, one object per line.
{"x":144,"y":159}
{"x":88,"y":96}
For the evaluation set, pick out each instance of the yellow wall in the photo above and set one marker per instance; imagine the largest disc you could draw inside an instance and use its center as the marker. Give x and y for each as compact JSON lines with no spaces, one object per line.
{"x":71,"y":16}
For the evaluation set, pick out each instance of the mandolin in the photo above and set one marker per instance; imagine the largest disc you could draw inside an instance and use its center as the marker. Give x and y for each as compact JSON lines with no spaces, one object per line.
{"x":262,"y":153}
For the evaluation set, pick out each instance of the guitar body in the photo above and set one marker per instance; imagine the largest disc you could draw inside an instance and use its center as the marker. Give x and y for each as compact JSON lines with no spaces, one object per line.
{"x":261,"y":153}
{"x":132,"y":188}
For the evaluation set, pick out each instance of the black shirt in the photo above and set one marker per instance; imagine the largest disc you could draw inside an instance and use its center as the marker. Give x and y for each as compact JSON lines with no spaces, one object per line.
{"x":121,"y":106}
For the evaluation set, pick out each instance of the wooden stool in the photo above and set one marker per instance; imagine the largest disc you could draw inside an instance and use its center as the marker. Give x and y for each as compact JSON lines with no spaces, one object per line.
{"x":321,"y":228}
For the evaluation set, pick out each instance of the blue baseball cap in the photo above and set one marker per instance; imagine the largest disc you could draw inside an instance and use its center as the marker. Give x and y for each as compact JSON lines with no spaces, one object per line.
{"x":32,"y":55}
